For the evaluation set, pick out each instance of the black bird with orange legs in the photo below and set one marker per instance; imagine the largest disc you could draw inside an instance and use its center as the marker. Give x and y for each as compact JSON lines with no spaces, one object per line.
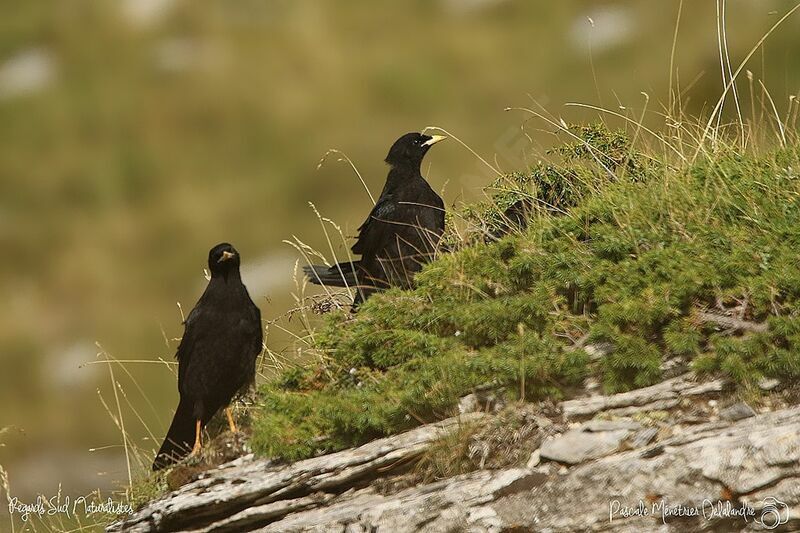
{"x":216,"y":357}
{"x":400,"y":234}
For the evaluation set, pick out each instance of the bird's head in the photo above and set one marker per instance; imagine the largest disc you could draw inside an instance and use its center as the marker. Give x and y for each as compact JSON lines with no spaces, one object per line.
{"x":223,"y":259}
{"x":409,"y":149}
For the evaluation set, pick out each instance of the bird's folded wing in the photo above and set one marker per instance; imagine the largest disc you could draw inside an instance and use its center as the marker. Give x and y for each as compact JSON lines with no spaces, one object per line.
{"x":186,"y":346}
{"x":377,"y":228}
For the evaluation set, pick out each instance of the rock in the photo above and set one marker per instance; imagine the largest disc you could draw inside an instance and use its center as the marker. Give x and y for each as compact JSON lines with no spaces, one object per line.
{"x":643,"y":437}
{"x":463,"y":503}
{"x":757,"y":460}
{"x":673,"y":367}
{"x":664,"y":395}
{"x":535,"y":459}
{"x":737,"y":411}
{"x":660,"y":406}
{"x":767,"y":384}
{"x":757,"y":457}
{"x":469,"y":404}
{"x":544,"y":468}
{"x":542,"y":421}
{"x":599,"y":350}
{"x":610,"y":425}
{"x":576,"y":446}
{"x":695,"y":419}
{"x":480,"y":401}
{"x":245,"y":484}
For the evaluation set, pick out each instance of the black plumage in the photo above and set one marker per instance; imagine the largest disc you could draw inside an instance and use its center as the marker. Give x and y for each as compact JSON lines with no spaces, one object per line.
{"x":402,"y":231}
{"x":216,"y":357}
{"x":514,"y":219}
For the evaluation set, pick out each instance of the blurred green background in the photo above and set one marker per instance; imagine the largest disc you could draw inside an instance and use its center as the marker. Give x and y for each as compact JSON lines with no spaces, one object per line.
{"x":135,"y":134}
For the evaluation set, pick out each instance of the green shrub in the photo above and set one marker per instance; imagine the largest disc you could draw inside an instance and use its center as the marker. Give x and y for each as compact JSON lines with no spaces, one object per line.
{"x":619,"y":246}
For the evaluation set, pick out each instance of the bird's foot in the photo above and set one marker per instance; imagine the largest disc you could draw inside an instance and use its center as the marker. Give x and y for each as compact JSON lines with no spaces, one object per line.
{"x":196,"y":449}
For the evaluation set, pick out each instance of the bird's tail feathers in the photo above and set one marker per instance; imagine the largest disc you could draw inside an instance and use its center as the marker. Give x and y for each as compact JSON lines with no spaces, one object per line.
{"x":338,"y":275}
{"x":180,"y":437}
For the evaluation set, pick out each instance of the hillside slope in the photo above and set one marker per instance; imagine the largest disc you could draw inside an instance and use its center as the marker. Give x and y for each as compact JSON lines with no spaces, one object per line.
{"x":618,"y":326}
{"x":646,"y":258}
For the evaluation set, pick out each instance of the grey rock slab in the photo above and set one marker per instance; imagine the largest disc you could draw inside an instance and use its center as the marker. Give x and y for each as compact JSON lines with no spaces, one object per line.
{"x":610,"y":425}
{"x":576,"y":446}
{"x":737,"y":411}
{"x":756,"y":457}
{"x":643,"y":437}
{"x":464,"y":501}
{"x":223,"y":492}
{"x":669,"y":392}
{"x":758,"y":454}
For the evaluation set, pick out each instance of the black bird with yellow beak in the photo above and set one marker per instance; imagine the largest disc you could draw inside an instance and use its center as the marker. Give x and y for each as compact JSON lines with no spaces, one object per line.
{"x":402,"y":231}
{"x":216,"y":357}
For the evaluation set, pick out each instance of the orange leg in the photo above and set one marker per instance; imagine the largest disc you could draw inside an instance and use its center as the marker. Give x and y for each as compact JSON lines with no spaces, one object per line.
{"x":197,"y":443}
{"x":230,"y":420}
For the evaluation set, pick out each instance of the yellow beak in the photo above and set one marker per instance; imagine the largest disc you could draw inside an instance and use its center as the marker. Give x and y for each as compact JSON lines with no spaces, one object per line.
{"x":434,"y":139}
